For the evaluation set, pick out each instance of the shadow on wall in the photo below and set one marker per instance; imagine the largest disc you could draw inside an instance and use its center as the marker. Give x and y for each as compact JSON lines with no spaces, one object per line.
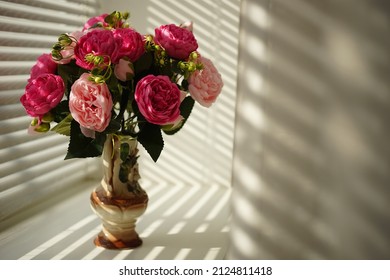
{"x":311,"y":172}
{"x":202,"y":151}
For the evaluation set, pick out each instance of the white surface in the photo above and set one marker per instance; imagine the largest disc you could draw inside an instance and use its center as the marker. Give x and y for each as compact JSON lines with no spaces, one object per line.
{"x":181,"y":222}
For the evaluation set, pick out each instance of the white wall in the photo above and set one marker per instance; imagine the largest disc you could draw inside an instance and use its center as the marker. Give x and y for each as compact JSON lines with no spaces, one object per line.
{"x":201,"y":153}
{"x":311,"y":171}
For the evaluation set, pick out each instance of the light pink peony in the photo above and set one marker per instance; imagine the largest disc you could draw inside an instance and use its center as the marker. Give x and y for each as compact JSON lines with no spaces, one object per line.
{"x":124,"y":70}
{"x":43,"y":65}
{"x":99,"y":42}
{"x":94,"y":20}
{"x":178,"y":42}
{"x":188,"y":25}
{"x":42,"y":94}
{"x":158,"y":99}
{"x":68,"y":52}
{"x":90,"y":104}
{"x":130,"y":42}
{"x":205,"y":85}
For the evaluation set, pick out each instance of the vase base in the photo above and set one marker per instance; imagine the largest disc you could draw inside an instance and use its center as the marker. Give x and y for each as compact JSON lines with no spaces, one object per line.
{"x":102,"y":241}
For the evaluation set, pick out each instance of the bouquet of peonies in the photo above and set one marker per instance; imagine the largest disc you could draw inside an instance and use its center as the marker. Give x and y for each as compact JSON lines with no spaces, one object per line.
{"x":110,"y":79}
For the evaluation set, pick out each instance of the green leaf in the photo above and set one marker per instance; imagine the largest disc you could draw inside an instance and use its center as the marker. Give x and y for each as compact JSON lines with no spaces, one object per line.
{"x":113,"y":126}
{"x":185,"y":110}
{"x":81,"y":146}
{"x":184,"y":85}
{"x":63,"y":127}
{"x":115,"y":88}
{"x":151,"y":139}
{"x":61,"y":111}
{"x":186,"y":106}
{"x":143,"y":64}
{"x":69,"y":73}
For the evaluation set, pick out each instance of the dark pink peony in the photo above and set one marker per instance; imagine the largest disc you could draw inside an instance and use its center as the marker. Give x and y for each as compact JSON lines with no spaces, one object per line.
{"x":44,"y":65}
{"x":178,"y":42}
{"x":42,"y":94}
{"x":90,"y":104}
{"x":205,"y":85}
{"x":130,"y":42}
{"x":99,"y":42}
{"x":94,"y":20}
{"x":158,"y":99}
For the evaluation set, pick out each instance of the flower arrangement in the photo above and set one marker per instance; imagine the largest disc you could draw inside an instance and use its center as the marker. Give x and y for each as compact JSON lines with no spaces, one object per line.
{"x":109,"y":79}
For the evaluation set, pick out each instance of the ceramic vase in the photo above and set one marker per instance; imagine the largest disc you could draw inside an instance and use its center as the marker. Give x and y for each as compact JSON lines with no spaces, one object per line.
{"x":119,"y":200}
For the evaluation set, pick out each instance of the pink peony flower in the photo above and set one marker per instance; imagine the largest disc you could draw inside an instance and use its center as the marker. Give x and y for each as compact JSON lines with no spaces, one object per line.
{"x":94,"y":20}
{"x":124,"y":70}
{"x":44,"y":65}
{"x":42,"y":94}
{"x":205,"y":85}
{"x":158,"y":99}
{"x":178,"y":42}
{"x":130,"y":43}
{"x":90,"y":104}
{"x":98,"y":42}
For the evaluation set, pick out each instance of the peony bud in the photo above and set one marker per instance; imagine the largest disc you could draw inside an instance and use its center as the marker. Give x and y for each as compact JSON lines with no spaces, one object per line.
{"x":124,"y":70}
{"x":43,"y":127}
{"x":98,"y":79}
{"x":125,"y":15}
{"x":47,"y":118}
{"x":34,"y":122}
{"x":56,"y":55}
{"x":191,"y":66}
{"x":194,"y":56}
{"x":64,"y":40}
{"x":187,"y":25}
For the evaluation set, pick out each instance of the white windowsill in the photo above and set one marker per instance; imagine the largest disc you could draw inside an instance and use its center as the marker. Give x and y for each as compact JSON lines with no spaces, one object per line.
{"x":181,"y":222}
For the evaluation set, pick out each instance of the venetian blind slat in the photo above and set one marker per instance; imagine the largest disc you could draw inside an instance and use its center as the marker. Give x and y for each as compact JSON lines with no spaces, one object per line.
{"x":26,"y":39}
{"x":24,"y":163}
{"x":47,"y":164}
{"x":77,"y":8}
{"x":13,"y":110}
{"x":28,"y":193}
{"x":30,"y":145}
{"x":31,"y":12}
{"x":20,"y":53}
{"x":9,"y":96}
{"x":34,"y":26}
{"x":14,"y":124}
{"x":15,"y":67}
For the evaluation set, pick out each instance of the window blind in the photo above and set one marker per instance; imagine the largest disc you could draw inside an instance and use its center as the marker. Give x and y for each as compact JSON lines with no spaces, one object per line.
{"x":32,"y":167}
